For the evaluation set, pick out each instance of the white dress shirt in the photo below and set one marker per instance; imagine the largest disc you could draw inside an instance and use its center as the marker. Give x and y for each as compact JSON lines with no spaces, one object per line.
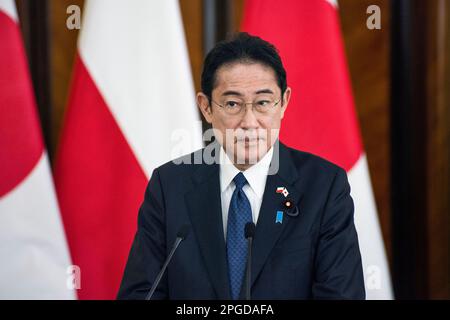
{"x":256,"y":177}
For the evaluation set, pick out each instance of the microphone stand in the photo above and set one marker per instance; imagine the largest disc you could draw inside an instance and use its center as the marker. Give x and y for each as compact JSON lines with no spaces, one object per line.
{"x":181,"y":235}
{"x":249,"y":268}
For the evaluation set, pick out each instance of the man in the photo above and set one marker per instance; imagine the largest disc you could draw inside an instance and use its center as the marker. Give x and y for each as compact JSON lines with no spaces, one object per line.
{"x":305,"y":244}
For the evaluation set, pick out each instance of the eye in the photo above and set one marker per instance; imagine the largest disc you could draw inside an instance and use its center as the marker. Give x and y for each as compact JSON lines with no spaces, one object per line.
{"x":231,"y":104}
{"x":263,"y":103}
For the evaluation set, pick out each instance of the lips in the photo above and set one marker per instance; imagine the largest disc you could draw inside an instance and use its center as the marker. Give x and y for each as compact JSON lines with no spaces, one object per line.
{"x":249,"y":137}
{"x":249,"y":142}
{"x":246,"y":139}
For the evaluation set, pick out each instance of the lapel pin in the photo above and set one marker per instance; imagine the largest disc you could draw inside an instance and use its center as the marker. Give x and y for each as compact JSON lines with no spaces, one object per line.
{"x":291,"y":210}
{"x":279,"y":218}
{"x":288,"y":204}
{"x":283,"y":191}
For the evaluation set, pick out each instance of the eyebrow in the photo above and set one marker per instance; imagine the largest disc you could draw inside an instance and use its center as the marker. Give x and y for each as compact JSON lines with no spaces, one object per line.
{"x":232,"y":93}
{"x":264,"y":91}
{"x":236,"y":93}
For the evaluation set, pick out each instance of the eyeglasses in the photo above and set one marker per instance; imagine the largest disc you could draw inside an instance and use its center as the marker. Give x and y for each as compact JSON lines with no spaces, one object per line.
{"x":235,"y":107}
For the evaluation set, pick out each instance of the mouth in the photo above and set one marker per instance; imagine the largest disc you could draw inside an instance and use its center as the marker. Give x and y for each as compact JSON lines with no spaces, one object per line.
{"x":247,"y":141}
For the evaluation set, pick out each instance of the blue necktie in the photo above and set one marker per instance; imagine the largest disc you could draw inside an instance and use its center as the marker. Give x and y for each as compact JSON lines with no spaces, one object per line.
{"x":239,"y":214}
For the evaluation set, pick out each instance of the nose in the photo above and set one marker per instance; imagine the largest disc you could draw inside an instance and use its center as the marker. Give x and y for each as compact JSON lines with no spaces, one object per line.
{"x":249,"y":120}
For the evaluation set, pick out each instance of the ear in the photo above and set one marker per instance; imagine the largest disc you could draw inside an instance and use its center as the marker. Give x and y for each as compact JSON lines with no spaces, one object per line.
{"x":286,"y":98}
{"x":204,"y":106}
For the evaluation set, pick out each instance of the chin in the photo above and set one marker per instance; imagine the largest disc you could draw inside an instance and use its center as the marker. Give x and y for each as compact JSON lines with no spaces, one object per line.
{"x":250,"y":153}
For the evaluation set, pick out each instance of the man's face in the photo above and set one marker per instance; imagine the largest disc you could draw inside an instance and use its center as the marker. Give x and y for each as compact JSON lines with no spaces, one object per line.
{"x":248,"y":135}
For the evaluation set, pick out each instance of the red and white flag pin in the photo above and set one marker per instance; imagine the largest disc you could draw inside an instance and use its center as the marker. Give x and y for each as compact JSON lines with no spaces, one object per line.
{"x":283,"y":190}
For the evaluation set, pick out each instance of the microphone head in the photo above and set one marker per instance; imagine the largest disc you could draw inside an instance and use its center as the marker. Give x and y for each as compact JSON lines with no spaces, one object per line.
{"x":183,"y":232}
{"x":249,"y":231}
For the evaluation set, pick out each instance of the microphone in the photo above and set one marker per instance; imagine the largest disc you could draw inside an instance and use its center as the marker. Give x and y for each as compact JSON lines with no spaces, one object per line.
{"x":249,"y":233}
{"x":181,"y":235}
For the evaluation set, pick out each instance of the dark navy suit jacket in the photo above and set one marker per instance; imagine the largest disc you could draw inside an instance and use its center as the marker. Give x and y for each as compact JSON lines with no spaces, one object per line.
{"x":314,"y":255}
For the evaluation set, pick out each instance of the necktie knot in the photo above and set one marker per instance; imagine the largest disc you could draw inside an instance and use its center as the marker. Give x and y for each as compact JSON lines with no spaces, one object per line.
{"x":239,"y":180}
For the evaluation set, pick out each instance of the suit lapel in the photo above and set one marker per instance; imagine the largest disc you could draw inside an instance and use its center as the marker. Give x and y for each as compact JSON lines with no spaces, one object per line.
{"x":267,"y":230}
{"x":205,"y":209}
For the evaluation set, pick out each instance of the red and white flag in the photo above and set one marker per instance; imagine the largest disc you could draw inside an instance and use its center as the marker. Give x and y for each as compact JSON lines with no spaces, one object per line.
{"x":321,"y":116}
{"x":33,"y":250}
{"x":131,"y":108}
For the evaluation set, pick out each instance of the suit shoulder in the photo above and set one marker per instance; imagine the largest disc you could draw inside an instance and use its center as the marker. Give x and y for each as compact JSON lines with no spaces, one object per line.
{"x":182,"y":165}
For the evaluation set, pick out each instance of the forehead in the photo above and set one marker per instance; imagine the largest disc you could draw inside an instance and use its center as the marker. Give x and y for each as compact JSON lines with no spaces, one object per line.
{"x":246,"y":78}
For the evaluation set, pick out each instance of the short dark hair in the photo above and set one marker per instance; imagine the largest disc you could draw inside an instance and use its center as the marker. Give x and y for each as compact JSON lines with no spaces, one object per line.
{"x":242,"y":47}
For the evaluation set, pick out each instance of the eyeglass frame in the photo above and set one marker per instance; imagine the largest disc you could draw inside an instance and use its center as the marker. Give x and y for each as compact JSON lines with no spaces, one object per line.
{"x":245,"y":104}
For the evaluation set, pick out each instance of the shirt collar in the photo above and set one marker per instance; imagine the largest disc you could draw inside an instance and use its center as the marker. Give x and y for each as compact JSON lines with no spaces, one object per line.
{"x":256,"y":175}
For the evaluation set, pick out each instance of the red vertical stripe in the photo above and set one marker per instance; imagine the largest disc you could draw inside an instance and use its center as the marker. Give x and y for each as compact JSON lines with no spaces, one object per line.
{"x":321,"y":116}
{"x":100,"y":186}
{"x":21,"y":143}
